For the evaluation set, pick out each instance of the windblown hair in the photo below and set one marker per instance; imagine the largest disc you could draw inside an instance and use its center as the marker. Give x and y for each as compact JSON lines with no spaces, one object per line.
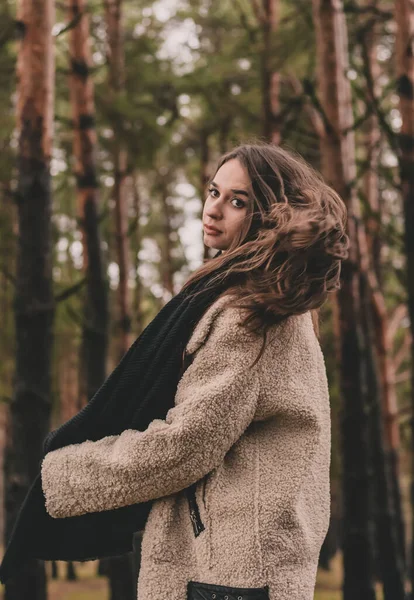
{"x":287,"y":255}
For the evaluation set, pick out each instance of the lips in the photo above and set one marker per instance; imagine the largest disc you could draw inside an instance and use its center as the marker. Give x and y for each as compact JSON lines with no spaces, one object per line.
{"x":211,"y":229}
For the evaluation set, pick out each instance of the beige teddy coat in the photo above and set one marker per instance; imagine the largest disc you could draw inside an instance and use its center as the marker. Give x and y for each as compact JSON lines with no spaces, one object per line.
{"x":256,"y":442}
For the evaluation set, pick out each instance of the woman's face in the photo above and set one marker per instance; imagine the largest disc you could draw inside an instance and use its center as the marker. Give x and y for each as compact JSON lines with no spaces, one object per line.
{"x":226,"y":205}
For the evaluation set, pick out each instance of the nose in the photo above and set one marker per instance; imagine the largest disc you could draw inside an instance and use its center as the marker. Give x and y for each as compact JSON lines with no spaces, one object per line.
{"x":213,"y":210}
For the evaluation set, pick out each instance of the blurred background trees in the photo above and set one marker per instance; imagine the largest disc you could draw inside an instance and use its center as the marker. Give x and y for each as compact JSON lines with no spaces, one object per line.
{"x":113,"y":115}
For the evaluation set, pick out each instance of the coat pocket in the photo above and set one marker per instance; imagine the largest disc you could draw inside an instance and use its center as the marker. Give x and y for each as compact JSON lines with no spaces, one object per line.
{"x":196,"y":590}
{"x":199,"y":493}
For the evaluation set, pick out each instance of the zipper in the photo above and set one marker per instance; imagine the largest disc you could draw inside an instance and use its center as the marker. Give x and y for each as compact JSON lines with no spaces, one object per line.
{"x":196,"y":521}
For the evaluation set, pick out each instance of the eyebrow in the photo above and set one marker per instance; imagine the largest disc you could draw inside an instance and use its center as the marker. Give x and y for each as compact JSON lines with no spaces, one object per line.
{"x":242,"y":192}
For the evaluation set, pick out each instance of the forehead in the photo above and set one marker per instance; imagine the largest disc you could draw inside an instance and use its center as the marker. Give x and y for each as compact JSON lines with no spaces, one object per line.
{"x":232,"y":175}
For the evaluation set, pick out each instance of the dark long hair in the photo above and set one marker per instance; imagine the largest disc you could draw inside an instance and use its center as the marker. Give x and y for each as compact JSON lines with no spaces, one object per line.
{"x":287,"y":256}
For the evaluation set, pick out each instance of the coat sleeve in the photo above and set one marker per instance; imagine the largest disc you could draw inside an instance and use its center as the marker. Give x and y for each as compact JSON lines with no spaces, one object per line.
{"x":215,"y":402}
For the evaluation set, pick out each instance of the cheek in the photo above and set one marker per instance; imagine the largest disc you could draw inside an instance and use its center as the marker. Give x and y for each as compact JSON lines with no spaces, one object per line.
{"x":237,"y":222}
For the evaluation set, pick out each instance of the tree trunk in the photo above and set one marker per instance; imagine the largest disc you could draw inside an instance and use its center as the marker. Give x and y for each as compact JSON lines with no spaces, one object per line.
{"x":122,"y":577}
{"x":34,"y":307}
{"x":122,"y":249}
{"x":137,"y":301}
{"x":380,"y":322}
{"x":68,"y":380}
{"x":68,"y":403}
{"x":270,"y":77}
{"x":70,"y":571}
{"x":94,"y":334}
{"x":8,"y":236}
{"x":55,"y":573}
{"x":120,"y":570}
{"x":94,"y":345}
{"x":116,"y":80}
{"x":333,"y":539}
{"x":404,"y":44}
{"x":204,"y":177}
{"x":167,"y":268}
{"x":224,"y":131}
{"x":359,"y":376}
{"x":338,"y":166}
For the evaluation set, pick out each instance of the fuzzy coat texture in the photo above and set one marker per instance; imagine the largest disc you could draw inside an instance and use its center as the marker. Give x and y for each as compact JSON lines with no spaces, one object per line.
{"x":256,"y":443}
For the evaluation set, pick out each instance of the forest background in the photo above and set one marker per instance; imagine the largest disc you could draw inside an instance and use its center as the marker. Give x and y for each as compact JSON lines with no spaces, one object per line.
{"x":113,"y":114}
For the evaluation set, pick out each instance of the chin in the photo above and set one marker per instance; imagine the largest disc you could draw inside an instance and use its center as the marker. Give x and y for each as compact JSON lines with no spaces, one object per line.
{"x":211,"y":242}
{"x":216,"y":246}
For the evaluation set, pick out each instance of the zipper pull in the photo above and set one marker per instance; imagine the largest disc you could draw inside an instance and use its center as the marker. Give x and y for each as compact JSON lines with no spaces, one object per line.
{"x":197,"y":524}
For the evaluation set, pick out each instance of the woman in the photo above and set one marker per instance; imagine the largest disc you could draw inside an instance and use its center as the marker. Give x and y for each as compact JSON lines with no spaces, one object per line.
{"x":238,"y":471}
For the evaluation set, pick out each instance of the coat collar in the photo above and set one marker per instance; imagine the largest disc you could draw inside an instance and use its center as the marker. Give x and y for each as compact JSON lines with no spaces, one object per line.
{"x":202,"y":328}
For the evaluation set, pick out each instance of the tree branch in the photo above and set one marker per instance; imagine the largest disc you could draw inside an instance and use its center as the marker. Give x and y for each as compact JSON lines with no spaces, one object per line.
{"x":73,"y":289}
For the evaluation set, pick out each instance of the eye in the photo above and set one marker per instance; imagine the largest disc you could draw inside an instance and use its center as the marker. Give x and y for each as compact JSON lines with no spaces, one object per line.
{"x":242,"y":204}
{"x":211,"y":190}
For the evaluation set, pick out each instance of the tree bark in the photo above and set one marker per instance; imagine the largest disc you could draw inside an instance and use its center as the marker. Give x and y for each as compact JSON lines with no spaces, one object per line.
{"x":94,"y":344}
{"x":380,"y":322}
{"x":8,"y":236}
{"x":362,"y":434}
{"x":116,"y":80}
{"x":95,"y":328}
{"x":138,"y":295}
{"x":34,"y":306}
{"x":68,"y":380}
{"x":338,"y":167}
{"x":167,"y":267}
{"x":204,"y":177}
{"x":120,"y":570}
{"x":404,"y":45}
{"x":270,"y":77}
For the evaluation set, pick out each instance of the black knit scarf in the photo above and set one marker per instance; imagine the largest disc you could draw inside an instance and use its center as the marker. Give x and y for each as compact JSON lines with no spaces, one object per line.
{"x":141,"y":388}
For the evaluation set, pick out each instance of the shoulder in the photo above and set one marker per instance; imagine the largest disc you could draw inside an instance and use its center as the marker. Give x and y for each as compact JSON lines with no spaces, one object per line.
{"x":223,"y":321}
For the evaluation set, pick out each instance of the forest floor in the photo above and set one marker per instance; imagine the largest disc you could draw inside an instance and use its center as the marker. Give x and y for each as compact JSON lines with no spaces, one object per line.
{"x":90,"y":587}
